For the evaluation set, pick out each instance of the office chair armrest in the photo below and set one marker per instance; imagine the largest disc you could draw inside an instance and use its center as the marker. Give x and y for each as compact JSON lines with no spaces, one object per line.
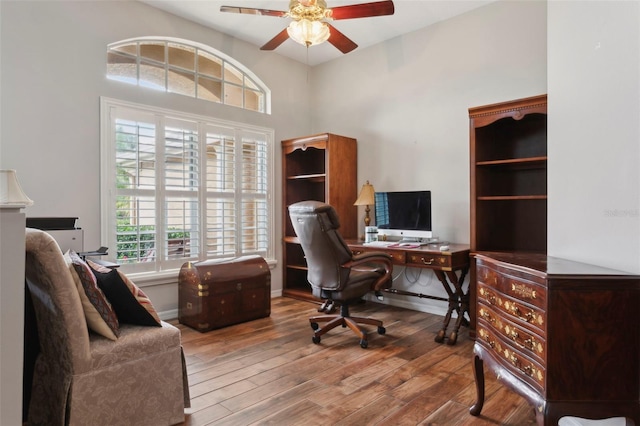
{"x":370,"y":256}
{"x":382,"y":259}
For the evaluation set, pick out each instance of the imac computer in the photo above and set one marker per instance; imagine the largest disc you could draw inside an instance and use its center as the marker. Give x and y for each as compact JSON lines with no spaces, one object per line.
{"x":404,"y":214}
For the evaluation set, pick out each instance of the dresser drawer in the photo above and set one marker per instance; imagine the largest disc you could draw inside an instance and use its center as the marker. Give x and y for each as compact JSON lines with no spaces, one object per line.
{"x":515,"y":310}
{"x":520,"y":338}
{"x":429,"y":259}
{"x":516,"y":287}
{"x":512,"y":359}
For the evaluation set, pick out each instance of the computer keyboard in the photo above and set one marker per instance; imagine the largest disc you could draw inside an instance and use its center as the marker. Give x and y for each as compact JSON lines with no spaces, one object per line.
{"x":380,"y":243}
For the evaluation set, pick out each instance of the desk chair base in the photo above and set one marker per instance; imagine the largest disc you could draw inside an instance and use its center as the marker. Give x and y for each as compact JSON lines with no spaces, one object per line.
{"x":345,"y":320}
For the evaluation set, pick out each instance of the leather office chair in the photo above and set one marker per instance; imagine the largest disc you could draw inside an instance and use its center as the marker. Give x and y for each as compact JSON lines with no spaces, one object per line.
{"x":334,"y":273}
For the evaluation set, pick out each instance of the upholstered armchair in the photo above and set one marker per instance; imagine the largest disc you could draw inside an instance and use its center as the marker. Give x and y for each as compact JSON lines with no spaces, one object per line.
{"x":75,"y":376}
{"x":335,"y":274}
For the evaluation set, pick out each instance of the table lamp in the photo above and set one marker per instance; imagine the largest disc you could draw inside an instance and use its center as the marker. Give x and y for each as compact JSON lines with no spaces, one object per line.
{"x":366,"y":198}
{"x":11,"y":193}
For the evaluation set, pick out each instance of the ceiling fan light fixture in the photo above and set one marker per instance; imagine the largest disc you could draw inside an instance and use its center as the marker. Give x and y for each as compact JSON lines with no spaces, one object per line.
{"x":308,"y":33}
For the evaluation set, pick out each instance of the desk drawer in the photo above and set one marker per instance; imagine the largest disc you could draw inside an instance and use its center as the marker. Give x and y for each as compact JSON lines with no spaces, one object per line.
{"x":429,"y":260}
{"x":398,"y":257}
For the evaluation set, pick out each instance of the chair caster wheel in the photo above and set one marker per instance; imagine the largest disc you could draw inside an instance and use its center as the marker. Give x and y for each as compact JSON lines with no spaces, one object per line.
{"x":364,"y":344}
{"x":382,"y":330}
{"x":439,"y":337}
{"x":453,"y":338}
{"x":314,"y":325}
{"x":315,"y":339}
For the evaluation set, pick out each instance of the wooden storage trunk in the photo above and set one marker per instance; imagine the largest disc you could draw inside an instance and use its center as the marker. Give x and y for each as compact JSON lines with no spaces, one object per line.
{"x":217,"y":293}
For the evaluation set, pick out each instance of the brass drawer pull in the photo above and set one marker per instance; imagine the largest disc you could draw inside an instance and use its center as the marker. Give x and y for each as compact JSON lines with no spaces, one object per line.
{"x":491,"y":343}
{"x":514,"y":360}
{"x":489,"y":297}
{"x":427,"y":262}
{"x":529,"y":343}
{"x":529,"y":370}
{"x":487,"y":316}
{"x":484,"y":334}
{"x":530,"y":317}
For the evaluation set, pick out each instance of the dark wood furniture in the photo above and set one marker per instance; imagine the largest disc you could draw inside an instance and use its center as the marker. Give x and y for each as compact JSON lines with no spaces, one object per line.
{"x":336,"y":275}
{"x":322,"y":168}
{"x":562,"y":334}
{"x":217,"y":293}
{"x":508,"y":153}
{"x":450,"y":267}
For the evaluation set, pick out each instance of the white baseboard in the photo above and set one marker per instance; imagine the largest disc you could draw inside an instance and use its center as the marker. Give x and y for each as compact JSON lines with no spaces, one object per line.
{"x":433,"y":307}
{"x":171,"y":314}
{"x":414,"y":305}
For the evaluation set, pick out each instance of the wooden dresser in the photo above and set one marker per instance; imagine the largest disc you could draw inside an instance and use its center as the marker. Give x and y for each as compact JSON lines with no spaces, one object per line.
{"x":564,"y":335}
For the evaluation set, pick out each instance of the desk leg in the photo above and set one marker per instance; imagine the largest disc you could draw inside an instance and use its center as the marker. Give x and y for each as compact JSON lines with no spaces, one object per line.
{"x":463,"y":299}
{"x":458,"y":301}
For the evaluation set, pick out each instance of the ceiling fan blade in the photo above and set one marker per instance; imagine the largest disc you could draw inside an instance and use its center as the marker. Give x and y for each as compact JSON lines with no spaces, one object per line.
{"x":340,"y":41}
{"x":276,"y":41}
{"x":253,"y":11}
{"x":364,"y":10}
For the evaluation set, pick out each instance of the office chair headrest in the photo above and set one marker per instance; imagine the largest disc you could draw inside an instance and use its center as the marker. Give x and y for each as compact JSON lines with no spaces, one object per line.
{"x":316,"y":207}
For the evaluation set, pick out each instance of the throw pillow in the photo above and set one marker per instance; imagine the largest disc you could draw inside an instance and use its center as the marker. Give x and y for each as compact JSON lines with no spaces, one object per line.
{"x":98,"y":312}
{"x":130,"y":303}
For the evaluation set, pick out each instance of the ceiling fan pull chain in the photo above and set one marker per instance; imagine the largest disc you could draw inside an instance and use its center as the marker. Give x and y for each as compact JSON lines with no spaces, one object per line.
{"x":307,"y":64}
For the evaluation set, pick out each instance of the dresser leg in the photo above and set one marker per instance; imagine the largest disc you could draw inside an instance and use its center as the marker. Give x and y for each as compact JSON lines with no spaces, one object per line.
{"x":478,"y":371}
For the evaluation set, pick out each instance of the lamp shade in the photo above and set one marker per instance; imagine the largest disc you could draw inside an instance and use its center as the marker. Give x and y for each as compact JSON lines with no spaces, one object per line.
{"x":11,"y":193}
{"x":308,"y":33}
{"x":366,"y":197}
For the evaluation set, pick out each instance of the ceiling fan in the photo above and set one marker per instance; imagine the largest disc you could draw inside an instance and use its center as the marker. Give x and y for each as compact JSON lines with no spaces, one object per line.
{"x":309,"y":27}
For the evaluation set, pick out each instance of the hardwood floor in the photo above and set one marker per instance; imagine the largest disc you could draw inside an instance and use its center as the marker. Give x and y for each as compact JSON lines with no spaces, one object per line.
{"x":269,"y":372}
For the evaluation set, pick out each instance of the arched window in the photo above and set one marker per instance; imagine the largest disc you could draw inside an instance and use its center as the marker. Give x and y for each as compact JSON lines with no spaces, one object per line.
{"x":187,"y":68}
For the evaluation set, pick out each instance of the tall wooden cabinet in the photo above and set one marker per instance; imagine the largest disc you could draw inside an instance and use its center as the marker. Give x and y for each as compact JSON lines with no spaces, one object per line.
{"x":562,"y":334}
{"x":321,"y":167}
{"x":509,"y":176}
{"x":508,"y":155}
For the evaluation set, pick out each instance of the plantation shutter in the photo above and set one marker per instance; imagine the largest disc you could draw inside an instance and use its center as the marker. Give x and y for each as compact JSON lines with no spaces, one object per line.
{"x":180,"y":188}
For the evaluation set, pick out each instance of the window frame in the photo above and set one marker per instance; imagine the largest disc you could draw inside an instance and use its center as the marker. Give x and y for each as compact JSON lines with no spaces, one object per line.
{"x":248,"y":80}
{"x":108,"y":196}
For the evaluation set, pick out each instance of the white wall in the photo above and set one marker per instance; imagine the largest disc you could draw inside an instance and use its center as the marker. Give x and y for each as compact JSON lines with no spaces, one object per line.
{"x":53,"y":73}
{"x":594,"y":132}
{"x":407,"y":101}
{"x":408,"y":110}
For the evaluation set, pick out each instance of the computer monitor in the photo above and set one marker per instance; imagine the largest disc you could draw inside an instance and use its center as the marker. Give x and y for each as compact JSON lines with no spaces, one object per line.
{"x":404,"y":214}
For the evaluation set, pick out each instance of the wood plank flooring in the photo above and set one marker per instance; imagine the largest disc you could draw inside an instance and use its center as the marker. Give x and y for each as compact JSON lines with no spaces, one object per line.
{"x":268,"y":372}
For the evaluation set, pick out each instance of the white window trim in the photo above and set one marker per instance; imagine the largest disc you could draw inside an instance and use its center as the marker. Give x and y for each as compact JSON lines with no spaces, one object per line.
{"x":212,"y":51}
{"x":107,"y":175}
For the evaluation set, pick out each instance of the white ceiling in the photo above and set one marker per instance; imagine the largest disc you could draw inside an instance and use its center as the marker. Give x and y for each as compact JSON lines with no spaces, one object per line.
{"x":409,"y":15}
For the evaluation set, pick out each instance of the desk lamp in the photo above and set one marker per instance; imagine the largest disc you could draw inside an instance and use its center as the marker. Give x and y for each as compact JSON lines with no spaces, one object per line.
{"x":366,"y":198}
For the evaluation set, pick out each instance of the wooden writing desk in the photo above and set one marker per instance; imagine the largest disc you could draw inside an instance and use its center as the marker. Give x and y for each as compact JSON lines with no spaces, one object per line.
{"x":450,"y":267}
